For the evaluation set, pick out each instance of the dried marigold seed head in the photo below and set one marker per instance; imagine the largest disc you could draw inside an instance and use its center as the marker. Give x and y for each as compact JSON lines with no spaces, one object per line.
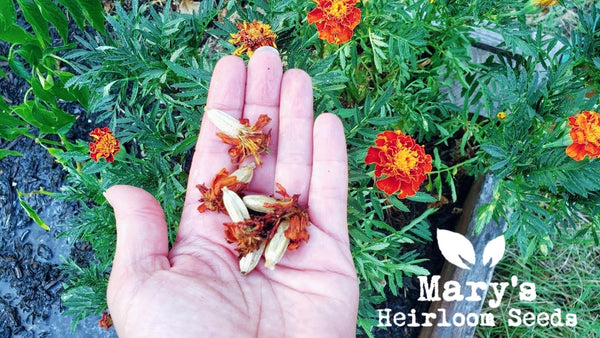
{"x":257,"y":203}
{"x":245,"y":173}
{"x":277,"y":246}
{"x":234,"y":205}
{"x":212,"y":198}
{"x":585,"y":134}
{"x":401,"y":160}
{"x":288,"y":209}
{"x":245,"y":140}
{"x":105,"y":144}
{"x":249,"y":261}
{"x":249,"y":235}
{"x":226,"y":123}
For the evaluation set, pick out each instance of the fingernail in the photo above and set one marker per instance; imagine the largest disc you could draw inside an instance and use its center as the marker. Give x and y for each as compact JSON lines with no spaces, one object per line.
{"x":267,"y":48}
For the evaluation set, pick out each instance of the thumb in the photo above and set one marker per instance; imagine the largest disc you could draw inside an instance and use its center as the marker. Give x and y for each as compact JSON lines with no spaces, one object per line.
{"x":142,"y":244}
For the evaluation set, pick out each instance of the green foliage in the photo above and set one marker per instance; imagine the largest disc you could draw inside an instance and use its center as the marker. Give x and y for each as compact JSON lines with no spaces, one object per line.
{"x":151,"y":86}
{"x":147,"y":79}
{"x":36,"y":57}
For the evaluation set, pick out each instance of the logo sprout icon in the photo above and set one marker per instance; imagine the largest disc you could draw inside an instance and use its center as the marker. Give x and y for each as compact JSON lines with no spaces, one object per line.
{"x":458,"y":250}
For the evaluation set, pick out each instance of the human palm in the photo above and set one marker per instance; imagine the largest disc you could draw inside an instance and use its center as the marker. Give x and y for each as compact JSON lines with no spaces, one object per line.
{"x":195,"y":288}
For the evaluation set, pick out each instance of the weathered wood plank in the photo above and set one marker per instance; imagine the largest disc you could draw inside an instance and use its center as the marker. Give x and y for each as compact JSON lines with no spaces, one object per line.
{"x":481,"y":193}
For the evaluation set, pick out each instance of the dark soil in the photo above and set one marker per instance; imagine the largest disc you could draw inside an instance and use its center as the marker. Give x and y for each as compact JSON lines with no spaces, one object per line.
{"x":30,"y":257}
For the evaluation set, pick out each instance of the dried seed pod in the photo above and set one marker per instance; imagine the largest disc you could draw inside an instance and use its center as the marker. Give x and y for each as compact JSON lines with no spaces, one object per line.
{"x":277,"y":245}
{"x":244,"y":174}
{"x":226,"y":123}
{"x":257,"y":203}
{"x":250,"y":261}
{"x":235,"y":206}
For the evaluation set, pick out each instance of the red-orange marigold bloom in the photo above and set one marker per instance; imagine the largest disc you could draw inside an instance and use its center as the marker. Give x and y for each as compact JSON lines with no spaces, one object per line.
{"x":402,"y":161}
{"x":212,"y":198}
{"x":585,"y":133}
{"x":105,"y":144}
{"x":251,"y":36}
{"x":250,"y":140}
{"x":335,"y":19}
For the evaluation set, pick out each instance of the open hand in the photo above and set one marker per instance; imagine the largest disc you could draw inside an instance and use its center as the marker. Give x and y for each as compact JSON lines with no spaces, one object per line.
{"x":196,"y":289}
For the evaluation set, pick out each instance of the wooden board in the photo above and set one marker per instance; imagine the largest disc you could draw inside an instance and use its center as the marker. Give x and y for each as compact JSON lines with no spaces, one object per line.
{"x":481,"y":193}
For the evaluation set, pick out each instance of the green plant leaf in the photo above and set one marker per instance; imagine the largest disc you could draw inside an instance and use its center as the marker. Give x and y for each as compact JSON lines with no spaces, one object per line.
{"x":48,"y":121}
{"x":31,"y":212}
{"x":56,"y":17}
{"x":38,"y":23}
{"x":422,"y":197}
{"x":11,"y":127}
{"x":94,"y":13}
{"x":5,"y":152}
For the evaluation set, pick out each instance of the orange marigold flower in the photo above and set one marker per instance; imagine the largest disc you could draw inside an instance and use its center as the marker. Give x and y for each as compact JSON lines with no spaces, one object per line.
{"x":335,"y":19}
{"x":106,"y":321}
{"x":212,"y":198}
{"x":105,"y":144}
{"x":251,"y":36}
{"x":402,"y":161}
{"x":585,"y":133}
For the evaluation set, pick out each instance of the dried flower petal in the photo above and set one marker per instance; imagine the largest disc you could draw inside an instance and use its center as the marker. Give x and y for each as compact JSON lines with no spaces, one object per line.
{"x":249,"y":235}
{"x":251,"y":36}
{"x":105,"y":144}
{"x":402,"y":161}
{"x":585,"y":133}
{"x":243,"y":139}
{"x":335,"y":19}
{"x":288,"y":209}
{"x":106,"y":321}
{"x":212,"y":198}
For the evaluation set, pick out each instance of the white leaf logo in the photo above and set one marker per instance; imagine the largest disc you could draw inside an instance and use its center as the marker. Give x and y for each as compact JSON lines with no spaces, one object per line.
{"x":493,"y":251}
{"x":456,"y":248}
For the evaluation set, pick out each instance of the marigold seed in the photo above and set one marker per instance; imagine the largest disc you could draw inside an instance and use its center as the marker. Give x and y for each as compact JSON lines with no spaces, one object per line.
{"x":257,"y":203}
{"x":250,"y":261}
{"x":244,"y":174}
{"x":235,"y":206}
{"x":277,"y":245}
{"x":226,"y":123}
